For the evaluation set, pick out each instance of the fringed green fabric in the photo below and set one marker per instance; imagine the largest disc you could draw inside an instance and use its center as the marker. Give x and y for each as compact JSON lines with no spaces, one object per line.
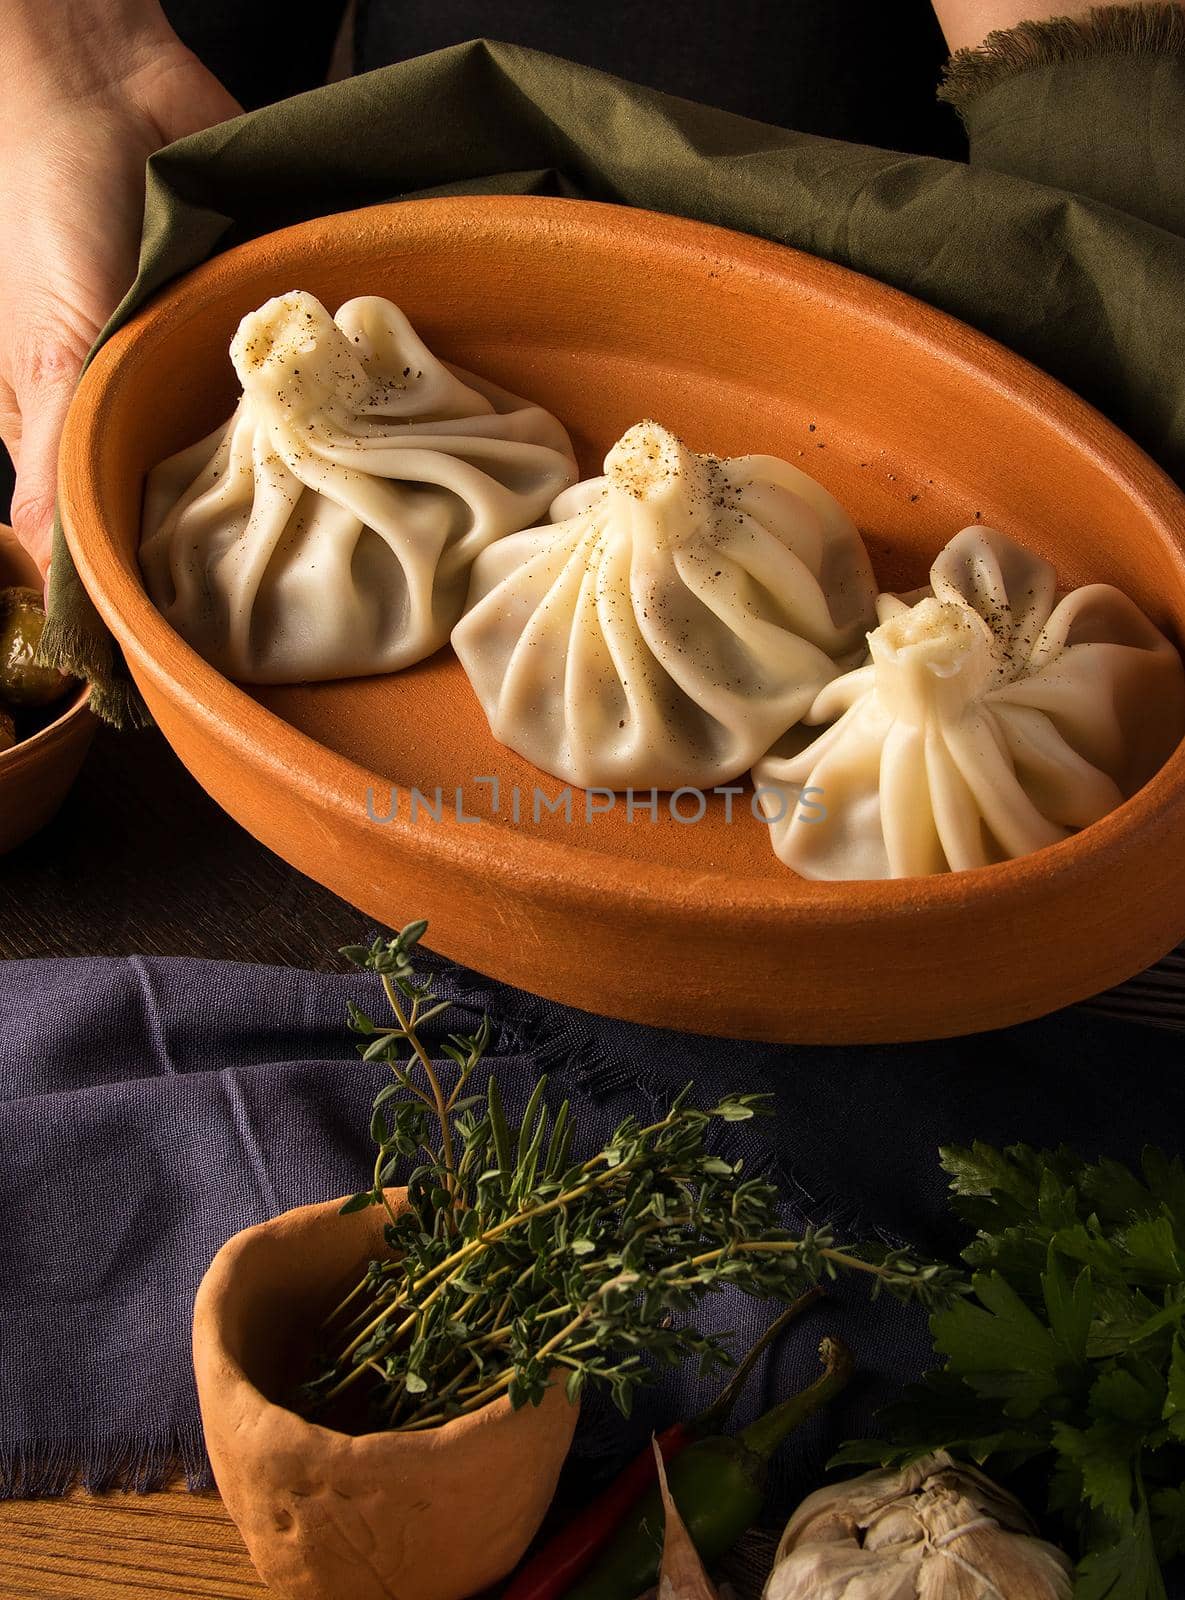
{"x":1133,"y":30}
{"x":76,"y":641}
{"x":1093,"y":106}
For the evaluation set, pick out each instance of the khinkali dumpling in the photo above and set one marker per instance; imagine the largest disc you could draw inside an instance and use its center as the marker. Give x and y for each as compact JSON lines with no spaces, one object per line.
{"x":673,"y":620}
{"x":991,"y":719}
{"x":328,"y":529}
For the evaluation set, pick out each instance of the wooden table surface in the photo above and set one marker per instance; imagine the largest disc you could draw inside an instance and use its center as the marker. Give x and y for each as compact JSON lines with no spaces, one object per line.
{"x":123,"y":1547}
{"x":141,"y":860}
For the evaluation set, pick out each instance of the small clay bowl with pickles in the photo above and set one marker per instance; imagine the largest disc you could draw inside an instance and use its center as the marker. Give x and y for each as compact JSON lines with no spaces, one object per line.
{"x":51,"y":740}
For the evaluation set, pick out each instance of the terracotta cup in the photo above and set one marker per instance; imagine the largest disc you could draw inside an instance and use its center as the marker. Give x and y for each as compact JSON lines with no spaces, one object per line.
{"x":36,"y":774}
{"x":325,"y":1515}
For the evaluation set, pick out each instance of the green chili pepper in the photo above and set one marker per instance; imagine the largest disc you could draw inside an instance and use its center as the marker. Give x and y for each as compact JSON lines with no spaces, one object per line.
{"x":568,"y":1554}
{"x":718,"y":1484}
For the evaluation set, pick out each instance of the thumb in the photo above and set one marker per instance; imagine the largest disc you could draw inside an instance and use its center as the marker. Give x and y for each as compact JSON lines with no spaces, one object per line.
{"x":194,"y":101}
{"x":43,"y":398}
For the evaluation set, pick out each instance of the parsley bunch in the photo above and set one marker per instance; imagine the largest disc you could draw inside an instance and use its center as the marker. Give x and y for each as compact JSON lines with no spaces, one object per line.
{"x":1069,"y":1354}
{"x":519,"y":1261}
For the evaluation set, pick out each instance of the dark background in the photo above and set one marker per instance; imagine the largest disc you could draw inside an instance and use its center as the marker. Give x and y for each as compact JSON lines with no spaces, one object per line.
{"x":848,"y":69}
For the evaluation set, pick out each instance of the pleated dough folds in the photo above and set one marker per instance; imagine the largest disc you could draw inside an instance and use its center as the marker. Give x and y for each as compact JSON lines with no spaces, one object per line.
{"x":673,"y":620}
{"x":327,"y":530}
{"x":990,"y":719}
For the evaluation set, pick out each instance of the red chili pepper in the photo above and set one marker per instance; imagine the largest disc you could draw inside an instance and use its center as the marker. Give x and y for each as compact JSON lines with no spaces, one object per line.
{"x":568,"y":1554}
{"x":565,"y":1558}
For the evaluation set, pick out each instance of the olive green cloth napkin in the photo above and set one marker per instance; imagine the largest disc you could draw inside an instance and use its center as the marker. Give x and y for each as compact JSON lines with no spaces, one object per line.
{"x":1090,"y":104}
{"x":1078,"y":283}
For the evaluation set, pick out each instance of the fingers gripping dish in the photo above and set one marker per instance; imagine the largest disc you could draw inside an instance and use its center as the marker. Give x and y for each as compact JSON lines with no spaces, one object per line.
{"x":328,"y":529}
{"x":672,"y":621}
{"x":991,"y":719}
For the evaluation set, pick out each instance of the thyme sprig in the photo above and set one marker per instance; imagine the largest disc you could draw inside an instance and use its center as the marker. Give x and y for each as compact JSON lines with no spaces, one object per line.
{"x":516,"y":1262}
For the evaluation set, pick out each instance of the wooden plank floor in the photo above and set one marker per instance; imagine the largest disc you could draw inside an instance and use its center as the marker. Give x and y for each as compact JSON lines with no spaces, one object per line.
{"x":170,"y":1546}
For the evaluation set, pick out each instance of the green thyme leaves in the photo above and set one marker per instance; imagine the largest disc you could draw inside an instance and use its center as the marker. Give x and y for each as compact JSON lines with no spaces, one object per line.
{"x":522,"y":1259}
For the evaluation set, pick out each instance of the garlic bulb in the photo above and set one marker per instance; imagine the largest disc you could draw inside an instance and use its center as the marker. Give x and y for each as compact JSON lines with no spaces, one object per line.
{"x":937,"y":1530}
{"x":682,"y":1575}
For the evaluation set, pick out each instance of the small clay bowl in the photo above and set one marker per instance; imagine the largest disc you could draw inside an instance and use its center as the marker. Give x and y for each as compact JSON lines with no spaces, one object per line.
{"x":437,"y":1515}
{"x":919,"y":425}
{"x":36,"y":774}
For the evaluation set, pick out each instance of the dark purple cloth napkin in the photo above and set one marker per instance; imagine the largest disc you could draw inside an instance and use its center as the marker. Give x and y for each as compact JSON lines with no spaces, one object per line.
{"x":150,"y":1108}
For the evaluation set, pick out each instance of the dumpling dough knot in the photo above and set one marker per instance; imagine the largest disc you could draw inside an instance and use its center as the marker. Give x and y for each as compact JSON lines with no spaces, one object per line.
{"x":650,"y":472}
{"x":293,"y":353}
{"x":934,"y":657}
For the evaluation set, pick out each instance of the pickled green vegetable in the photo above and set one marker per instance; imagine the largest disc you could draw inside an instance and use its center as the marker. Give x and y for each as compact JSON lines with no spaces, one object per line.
{"x":24,"y":685}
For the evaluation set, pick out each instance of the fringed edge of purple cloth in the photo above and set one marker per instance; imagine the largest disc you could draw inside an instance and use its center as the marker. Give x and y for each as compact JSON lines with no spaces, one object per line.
{"x":46,"y":1469}
{"x":549,"y":1033}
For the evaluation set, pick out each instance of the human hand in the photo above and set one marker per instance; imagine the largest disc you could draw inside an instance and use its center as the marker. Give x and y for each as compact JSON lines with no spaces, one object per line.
{"x":967,"y":23}
{"x":91,"y":88}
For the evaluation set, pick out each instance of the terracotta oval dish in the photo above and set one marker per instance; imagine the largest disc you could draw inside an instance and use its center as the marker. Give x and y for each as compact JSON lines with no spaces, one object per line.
{"x":36,"y":774}
{"x":604,"y":315}
{"x":326,"y":1515}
